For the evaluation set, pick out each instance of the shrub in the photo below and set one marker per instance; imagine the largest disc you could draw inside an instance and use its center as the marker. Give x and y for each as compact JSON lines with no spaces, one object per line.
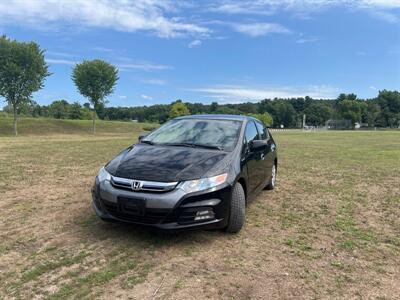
{"x":150,"y":127}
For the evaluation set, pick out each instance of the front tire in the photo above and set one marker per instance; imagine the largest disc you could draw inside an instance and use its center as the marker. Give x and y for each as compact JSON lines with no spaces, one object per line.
{"x":237,"y":209}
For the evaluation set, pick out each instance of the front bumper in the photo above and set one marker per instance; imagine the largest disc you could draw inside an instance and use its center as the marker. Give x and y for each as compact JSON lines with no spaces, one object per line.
{"x":172,"y":210}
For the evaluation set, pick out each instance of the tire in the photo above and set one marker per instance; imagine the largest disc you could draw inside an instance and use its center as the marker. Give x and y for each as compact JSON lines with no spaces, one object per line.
{"x":237,"y":210}
{"x":271,"y":185}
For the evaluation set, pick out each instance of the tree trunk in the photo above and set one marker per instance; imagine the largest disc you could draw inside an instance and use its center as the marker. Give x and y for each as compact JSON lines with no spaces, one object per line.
{"x":15,"y":120}
{"x":94,"y":121}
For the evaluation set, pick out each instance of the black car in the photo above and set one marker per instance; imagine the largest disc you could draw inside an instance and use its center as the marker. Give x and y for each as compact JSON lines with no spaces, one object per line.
{"x":195,"y":171}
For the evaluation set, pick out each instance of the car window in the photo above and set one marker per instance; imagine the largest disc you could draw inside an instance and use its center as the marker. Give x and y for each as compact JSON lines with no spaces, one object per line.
{"x":262,"y":130}
{"x":251,"y":132}
{"x":268,"y":134}
{"x":219,"y":133}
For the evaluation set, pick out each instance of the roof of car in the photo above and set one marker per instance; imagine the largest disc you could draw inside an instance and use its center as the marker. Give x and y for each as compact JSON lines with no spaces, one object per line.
{"x":218,"y":117}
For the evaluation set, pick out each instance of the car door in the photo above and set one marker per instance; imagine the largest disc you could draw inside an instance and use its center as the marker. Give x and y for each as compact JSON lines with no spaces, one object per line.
{"x":253,"y":158}
{"x":267,"y":157}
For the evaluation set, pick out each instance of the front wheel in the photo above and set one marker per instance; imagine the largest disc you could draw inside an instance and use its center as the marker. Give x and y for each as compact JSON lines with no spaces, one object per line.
{"x":271,"y":185}
{"x":237,"y":210}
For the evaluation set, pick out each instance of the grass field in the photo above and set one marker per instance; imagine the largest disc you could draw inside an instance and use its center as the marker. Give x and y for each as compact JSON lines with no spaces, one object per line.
{"x":329,"y":230}
{"x":45,"y":126}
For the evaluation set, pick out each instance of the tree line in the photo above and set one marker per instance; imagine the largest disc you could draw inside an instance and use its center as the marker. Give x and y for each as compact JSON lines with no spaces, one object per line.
{"x":381,"y":111}
{"x":23,"y":70}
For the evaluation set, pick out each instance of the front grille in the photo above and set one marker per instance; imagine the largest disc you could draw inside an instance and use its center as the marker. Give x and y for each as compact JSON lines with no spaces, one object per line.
{"x":146,"y":186}
{"x":149,"y":215}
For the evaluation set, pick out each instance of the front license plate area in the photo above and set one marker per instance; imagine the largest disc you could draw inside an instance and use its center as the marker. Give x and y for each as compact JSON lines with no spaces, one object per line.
{"x":132,"y":206}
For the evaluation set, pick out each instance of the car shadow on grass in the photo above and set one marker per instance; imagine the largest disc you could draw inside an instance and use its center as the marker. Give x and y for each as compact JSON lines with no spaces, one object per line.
{"x":93,"y":228}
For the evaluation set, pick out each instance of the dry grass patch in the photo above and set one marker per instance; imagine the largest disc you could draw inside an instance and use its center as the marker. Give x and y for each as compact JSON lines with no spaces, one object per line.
{"x":329,"y":230}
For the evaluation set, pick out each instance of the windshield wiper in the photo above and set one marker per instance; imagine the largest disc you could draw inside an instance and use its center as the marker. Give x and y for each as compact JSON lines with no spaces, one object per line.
{"x":208,"y":146}
{"x":147,"y":142}
{"x":194,"y":145}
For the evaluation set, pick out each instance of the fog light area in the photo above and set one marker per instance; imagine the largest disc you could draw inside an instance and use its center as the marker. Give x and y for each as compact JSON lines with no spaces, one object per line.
{"x":204,"y":214}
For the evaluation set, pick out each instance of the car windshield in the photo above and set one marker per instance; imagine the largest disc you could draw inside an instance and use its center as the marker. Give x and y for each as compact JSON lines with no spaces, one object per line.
{"x":218,"y":134}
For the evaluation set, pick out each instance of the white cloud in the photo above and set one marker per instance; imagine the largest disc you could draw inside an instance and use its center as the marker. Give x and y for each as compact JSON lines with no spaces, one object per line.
{"x":104,"y":49}
{"x":259,"y":29}
{"x":55,"y":61}
{"x":373,"y":88}
{"x":271,"y":6}
{"x":302,"y":8}
{"x":60,"y":54}
{"x":122,"y":15}
{"x":307,"y":40}
{"x":380,"y":3}
{"x":144,"y":66}
{"x":155,"y":81}
{"x":122,"y":97}
{"x":240,"y":93}
{"x":254,"y":29}
{"x":146,"y":97}
{"x":244,"y":7}
{"x":385,"y":16}
{"x":194,"y":44}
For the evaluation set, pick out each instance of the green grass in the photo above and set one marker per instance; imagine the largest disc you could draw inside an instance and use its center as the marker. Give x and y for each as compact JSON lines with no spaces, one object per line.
{"x":49,"y":266}
{"x":329,"y":230}
{"x":82,"y":286}
{"x":46,"y":126}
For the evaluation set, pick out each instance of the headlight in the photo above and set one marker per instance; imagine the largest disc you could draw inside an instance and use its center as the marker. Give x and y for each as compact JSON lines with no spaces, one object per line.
{"x":203,"y":183}
{"x":103,"y":175}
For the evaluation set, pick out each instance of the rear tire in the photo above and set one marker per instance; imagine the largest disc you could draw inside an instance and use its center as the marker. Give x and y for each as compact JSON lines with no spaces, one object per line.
{"x":237,"y":210}
{"x":271,"y":185}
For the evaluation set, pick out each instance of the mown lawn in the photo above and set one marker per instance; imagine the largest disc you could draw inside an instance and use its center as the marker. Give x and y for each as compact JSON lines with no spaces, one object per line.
{"x":329,"y":230}
{"x":46,"y":126}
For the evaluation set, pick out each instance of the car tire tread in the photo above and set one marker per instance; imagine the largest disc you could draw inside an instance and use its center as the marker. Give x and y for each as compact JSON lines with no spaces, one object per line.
{"x":237,"y":210}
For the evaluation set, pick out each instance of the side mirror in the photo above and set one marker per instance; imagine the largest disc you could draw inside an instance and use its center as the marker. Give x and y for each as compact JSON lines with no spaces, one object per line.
{"x":142,"y":136}
{"x":256,"y":145}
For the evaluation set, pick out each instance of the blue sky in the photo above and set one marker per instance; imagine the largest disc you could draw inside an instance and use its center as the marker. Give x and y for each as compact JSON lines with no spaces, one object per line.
{"x":225,"y":51}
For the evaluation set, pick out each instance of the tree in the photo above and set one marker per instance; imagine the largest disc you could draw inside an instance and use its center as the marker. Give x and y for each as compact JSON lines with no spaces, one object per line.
{"x":178,"y":109}
{"x":59,"y":109}
{"x":266,"y":118}
{"x":317,"y":113}
{"x":389,"y":102}
{"x":352,"y":110}
{"x":75,"y":111}
{"x":95,"y":80}
{"x":22,"y":72}
{"x":213,"y":107}
{"x":373,"y":111}
{"x":351,"y":96}
{"x":282,"y":112}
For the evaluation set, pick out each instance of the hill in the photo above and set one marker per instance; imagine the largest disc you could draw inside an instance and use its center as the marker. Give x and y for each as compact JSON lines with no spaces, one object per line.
{"x":46,"y":126}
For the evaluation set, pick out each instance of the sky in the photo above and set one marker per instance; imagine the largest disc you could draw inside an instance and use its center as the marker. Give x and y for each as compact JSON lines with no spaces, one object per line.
{"x":207,"y":51}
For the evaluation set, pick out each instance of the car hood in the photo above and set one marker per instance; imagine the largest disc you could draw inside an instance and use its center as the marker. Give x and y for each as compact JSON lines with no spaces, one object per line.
{"x":164,"y":163}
